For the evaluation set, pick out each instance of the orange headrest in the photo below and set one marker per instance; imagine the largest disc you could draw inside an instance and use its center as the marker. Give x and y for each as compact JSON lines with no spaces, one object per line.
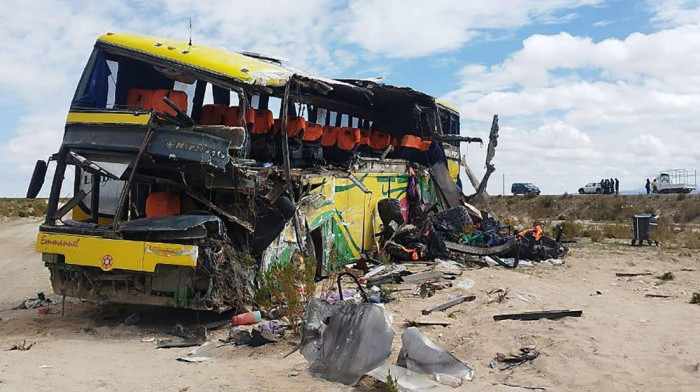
{"x":213,"y":114}
{"x":263,"y":121}
{"x":348,"y":138}
{"x":233,"y":116}
{"x":312,"y":133}
{"x":379,"y":140}
{"x":330,"y":136}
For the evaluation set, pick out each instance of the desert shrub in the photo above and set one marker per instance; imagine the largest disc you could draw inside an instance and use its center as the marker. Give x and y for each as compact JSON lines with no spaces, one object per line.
{"x":692,"y":241}
{"x":616,"y":231}
{"x":569,"y":229}
{"x":595,"y":234}
{"x":280,"y":286}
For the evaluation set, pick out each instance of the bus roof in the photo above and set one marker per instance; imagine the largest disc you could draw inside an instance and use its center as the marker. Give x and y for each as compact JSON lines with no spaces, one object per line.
{"x":248,"y":68}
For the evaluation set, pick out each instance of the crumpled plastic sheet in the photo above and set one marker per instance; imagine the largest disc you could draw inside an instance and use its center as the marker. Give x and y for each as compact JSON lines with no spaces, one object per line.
{"x":420,"y":355}
{"x":345,"y":340}
{"x":452,"y":220}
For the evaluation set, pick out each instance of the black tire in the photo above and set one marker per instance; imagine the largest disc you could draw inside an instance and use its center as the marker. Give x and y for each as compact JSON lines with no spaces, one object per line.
{"x":581,"y":191}
{"x":37,"y":180}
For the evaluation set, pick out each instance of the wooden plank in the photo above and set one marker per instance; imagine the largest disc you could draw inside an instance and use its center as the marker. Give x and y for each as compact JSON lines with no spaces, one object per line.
{"x":547,"y":314}
{"x":449,"y":304}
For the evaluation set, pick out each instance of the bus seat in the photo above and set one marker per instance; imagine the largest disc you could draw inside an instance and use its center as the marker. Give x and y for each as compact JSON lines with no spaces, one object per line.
{"x":365,"y":135}
{"x":379,"y":140}
{"x":313,"y":133}
{"x":179,"y":98}
{"x":348,"y":138}
{"x":138,"y":98}
{"x":263,"y":122}
{"x":233,"y":117}
{"x":213,"y":114}
{"x":162,"y":204}
{"x":330,"y":136}
{"x":295,"y":125}
{"x":415,"y":142}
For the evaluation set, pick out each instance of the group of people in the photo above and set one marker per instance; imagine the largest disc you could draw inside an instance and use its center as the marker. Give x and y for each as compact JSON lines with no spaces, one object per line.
{"x":652,"y":186}
{"x":610,"y":186}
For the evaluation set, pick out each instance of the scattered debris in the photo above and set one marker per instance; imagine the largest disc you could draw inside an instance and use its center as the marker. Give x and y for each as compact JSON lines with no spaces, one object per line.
{"x":345,"y":340}
{"x":466,"y":284}
{"x":247,"y":318}
{"x":449,"y":304}
{"x":148,"y":340}
{"x":623,"y":274}
{"x":405,"y":379}
{"x":511,"y":361}
{"x":695,"y":299}
{"x":501,"y":294}
{"x":523,"y":386}
{"x":21,"y":346}
{"x":132,"y":319}
{"x":597,"y":292}
{"x":192,"y":359}
{"x":41,"y":301}
{"x":423,"y":277}
{"x":423,"y":321}
{"x":666,"y":276}
{"x":658,"y":295}
{"x":546,"y":314}
{"x":522,"y":298}
{"x":419,"y":354}
{"x":45,"y":366}
{"x":45,"y":311}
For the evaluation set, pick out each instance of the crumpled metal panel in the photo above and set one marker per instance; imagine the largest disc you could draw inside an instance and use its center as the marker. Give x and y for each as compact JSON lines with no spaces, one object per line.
{"x":345,"y":340}
{"x":420,"y":355}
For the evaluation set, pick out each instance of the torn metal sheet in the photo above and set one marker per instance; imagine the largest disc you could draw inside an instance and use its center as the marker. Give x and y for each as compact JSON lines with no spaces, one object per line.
{"x":407,"y":380}
{"x":345,"y":340}
{"x":420,"y":355}
{"x":174,"y":227}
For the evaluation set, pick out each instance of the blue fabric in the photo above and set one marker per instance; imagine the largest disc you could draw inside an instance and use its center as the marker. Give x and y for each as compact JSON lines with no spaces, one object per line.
{"x":435,"y":153}
{"x":95,"y":95}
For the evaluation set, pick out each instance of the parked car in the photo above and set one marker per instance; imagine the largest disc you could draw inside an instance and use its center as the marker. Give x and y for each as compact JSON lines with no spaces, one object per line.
{"x":591,"y":187}
{"x":524,"y":188}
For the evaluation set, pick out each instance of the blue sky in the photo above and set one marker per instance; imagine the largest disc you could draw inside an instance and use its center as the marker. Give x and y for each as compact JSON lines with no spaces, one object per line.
{"x":585,"y":89}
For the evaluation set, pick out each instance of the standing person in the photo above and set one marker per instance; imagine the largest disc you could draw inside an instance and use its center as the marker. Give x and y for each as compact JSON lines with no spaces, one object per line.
{"x":612,"y":186}
{"x":602,"y":186}
{"x":606,"y":187}
{"x":648,"y":187}
{"x":655,"y":186}
{"x":617,"y":186}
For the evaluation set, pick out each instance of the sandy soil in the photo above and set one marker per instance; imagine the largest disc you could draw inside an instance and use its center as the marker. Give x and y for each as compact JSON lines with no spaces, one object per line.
{"x":624,"y":341}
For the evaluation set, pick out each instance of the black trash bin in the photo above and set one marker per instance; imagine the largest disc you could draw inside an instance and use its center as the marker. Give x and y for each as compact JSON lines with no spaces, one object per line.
{"x":642,"y":224}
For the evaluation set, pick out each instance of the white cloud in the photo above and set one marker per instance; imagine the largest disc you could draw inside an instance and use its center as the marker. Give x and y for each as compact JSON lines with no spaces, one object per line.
{"x":633,"y":99}
{"x":675,"y":12}
{"x":412,"y":28}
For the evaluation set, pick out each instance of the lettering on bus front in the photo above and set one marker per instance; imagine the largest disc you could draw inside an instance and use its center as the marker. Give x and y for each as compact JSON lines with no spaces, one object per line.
{"x":64,"y":243}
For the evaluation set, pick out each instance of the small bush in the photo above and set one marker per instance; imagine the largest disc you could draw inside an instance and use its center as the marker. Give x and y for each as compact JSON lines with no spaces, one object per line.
{"x":280,"y":286}
{"x":595,"y":234}
{"x":616,"y":231}
{"x":569,"y":229}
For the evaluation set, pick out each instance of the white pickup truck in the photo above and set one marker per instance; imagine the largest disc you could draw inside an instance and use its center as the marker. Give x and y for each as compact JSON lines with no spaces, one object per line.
{"x":677,"y":181}
{"x":592,"y":187}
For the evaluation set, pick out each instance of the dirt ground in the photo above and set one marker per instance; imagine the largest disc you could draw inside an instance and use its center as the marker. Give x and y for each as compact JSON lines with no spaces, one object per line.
{"x":624,"y":341}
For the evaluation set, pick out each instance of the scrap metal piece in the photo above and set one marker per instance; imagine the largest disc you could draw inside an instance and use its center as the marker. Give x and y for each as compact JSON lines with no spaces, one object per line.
{"x":420,"y":355}
{"x":406,"y":379}
{"x":547,"y":314}
{"x":449,"y":304}
{"x":345,"y":340}
{"x":481,"y":251}
{"x":620,"y":274}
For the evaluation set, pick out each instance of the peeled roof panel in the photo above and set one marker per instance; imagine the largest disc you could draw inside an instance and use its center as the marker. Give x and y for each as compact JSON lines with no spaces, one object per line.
{"x":237,"y":66}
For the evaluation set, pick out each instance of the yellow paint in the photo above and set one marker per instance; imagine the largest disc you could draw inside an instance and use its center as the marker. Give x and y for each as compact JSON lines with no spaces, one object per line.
{"x":110,"y":254}
{"x":242,"y":68}
{"x":447,"y":105}
{"x":108,"y":118}
{"x":80,"y":215}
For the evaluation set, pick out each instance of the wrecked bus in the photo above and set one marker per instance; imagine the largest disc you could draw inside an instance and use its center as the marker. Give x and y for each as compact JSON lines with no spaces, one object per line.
{"x":193,"y":168}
